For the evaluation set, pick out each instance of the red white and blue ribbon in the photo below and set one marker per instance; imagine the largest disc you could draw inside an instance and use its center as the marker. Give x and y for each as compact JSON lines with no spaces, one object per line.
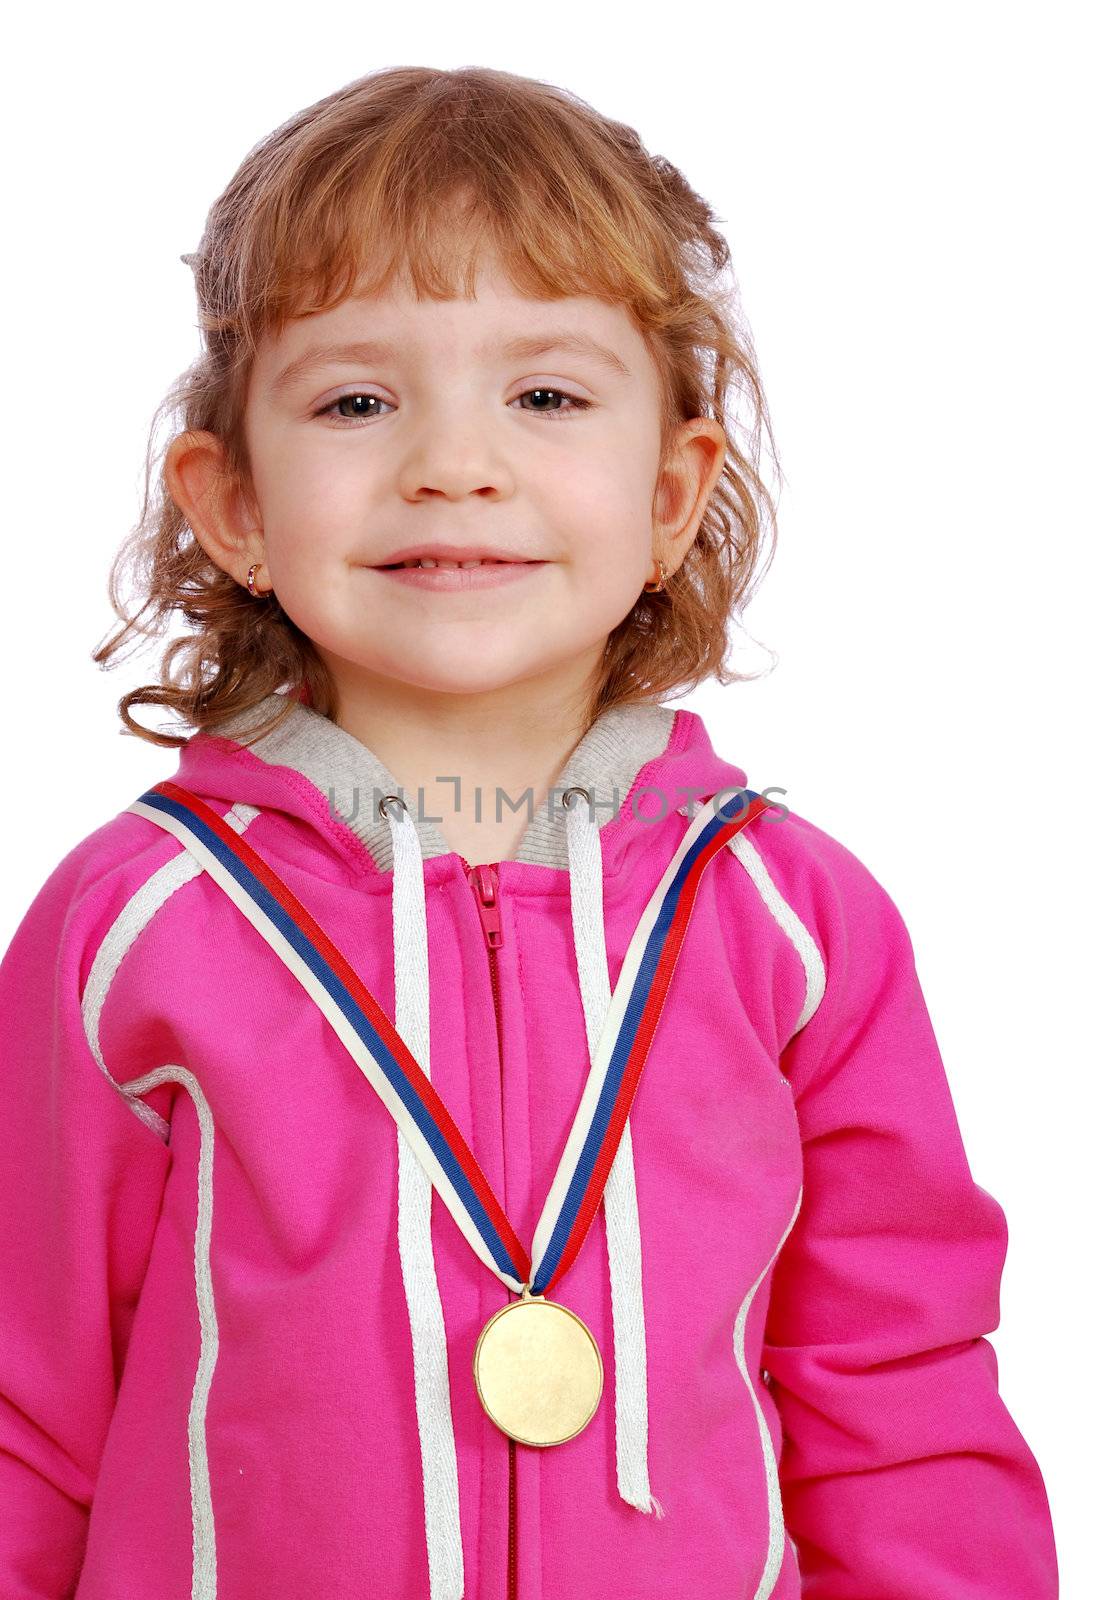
{"x":407,"y":1091}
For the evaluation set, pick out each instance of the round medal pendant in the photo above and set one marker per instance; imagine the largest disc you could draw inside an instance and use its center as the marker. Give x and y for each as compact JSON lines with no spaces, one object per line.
{"x":538,"y":1371}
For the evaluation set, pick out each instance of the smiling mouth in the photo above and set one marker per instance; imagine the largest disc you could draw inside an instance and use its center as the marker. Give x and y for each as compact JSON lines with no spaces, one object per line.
{"x":457,"y":577}
{"x":465,"y":566}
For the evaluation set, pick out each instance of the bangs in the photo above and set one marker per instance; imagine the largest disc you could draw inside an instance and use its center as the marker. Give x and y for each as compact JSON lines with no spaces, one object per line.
{"x":427,"y":195}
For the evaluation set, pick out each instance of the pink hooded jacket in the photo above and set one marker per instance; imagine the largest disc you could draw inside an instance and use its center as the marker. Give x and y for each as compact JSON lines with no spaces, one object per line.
{"x":238,"y":1324}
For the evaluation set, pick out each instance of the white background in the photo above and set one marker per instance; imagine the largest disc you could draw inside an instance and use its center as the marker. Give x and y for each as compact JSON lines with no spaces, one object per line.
{"x":914,"y":197}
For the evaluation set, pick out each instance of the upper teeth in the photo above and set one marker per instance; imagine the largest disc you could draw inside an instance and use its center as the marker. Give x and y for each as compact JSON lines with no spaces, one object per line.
{"x":427,"y":562}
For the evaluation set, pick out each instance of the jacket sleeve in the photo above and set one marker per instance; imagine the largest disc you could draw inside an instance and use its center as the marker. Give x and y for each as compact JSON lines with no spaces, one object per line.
{"x":81,"y":1181}
{"x":902,"y":1472}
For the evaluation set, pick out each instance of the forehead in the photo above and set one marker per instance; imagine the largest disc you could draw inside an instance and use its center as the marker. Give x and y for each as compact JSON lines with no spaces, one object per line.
{"x":497,"y":321}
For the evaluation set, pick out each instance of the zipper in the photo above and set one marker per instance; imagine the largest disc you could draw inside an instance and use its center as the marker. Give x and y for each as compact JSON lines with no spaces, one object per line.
{"x":483,"y":881}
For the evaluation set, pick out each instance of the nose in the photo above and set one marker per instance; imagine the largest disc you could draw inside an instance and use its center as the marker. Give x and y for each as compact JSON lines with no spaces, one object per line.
{"x":453,"y":452}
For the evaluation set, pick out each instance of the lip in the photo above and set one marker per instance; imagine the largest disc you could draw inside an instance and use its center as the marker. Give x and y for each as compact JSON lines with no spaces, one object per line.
{"x":441,"y":551}
{"x":448,"y":579}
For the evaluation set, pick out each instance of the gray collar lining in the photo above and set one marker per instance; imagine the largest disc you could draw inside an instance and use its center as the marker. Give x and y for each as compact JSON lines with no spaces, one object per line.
{"x":606,"y":762}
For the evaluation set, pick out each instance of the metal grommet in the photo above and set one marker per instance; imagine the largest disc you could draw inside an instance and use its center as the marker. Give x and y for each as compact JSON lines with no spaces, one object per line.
{"x":381,"y":804}
{"x":575,"y":790}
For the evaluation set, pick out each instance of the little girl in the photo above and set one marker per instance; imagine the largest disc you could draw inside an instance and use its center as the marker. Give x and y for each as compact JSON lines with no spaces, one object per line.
{"x":320,"y":1058}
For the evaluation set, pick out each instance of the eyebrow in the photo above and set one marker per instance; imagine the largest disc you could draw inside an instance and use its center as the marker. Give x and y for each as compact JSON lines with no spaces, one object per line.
{"x":373,"y":350}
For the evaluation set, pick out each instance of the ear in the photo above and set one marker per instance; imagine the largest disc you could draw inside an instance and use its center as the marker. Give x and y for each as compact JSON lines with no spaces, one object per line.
{"x":223,"y":517}
{"x":687,"y":478}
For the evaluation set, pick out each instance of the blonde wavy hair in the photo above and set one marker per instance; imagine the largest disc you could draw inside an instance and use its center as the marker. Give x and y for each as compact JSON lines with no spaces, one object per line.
{"x":367,"y":183}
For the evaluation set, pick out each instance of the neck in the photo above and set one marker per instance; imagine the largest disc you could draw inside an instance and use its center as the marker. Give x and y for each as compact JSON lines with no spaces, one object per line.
{"x":484,"y":762}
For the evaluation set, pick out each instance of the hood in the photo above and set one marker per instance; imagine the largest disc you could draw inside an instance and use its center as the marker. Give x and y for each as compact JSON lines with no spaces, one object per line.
{"x":322,"y":776}
{"x":637,"y":764}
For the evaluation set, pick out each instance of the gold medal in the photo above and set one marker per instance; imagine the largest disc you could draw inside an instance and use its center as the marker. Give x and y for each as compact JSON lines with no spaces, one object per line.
{"x":538,"y":1371}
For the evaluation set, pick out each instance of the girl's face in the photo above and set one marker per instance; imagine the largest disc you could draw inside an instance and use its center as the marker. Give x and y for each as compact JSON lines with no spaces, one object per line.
{"x":532,"y":427}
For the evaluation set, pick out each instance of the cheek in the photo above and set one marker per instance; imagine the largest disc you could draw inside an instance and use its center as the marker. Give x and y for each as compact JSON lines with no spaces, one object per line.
{"x":308,"y":564}
{"x":308,"y":478}
{"x":607,"y":510}
{"x":311,"y":517}
{"x":612,"y":550}
{"x":305,"y":552}
{"x":603,"y":586}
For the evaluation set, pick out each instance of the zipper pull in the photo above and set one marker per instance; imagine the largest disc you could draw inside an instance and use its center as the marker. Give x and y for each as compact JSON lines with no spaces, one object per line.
{"x":483,"y":881}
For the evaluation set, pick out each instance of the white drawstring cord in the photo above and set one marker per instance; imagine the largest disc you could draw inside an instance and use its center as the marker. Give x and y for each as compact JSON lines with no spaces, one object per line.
{"x":621,"y":1206}
{"x":442,"y":1520}
{"x":429,"y":1344}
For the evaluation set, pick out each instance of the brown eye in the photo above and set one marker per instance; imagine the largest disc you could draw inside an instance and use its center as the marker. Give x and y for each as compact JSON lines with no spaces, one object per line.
{"x":556,"y":394}
{"x":356,"y":398}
